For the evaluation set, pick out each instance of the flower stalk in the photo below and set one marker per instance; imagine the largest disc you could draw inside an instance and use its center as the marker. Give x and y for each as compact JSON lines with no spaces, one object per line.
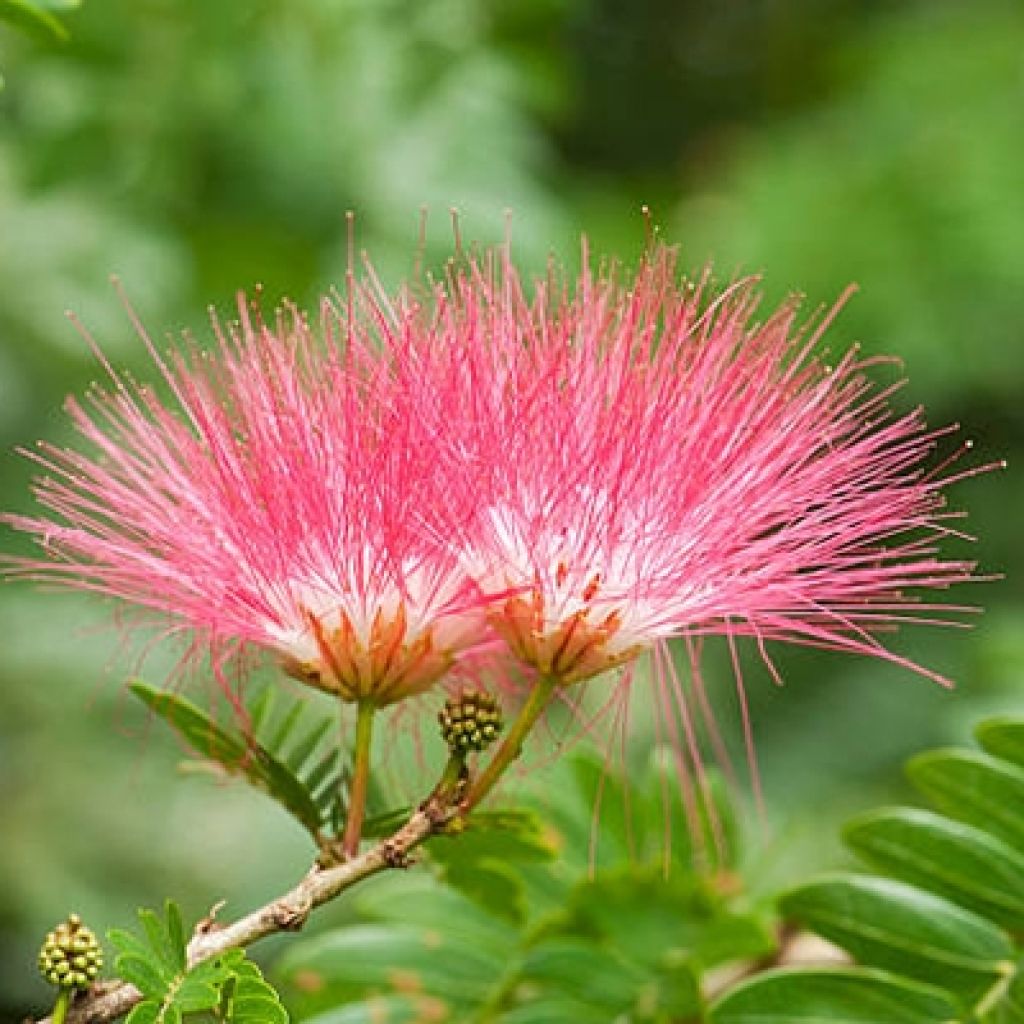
{"x":512,"y":746}
{"x":360,"y":778}
{"x":60,"y":1007}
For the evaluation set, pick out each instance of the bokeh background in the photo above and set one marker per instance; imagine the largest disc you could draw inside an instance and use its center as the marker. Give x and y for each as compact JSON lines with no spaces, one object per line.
{"x":197,"y":148}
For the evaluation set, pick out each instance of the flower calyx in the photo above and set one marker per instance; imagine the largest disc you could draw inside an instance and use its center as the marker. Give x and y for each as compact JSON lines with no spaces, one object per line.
{"x":384,"y":664}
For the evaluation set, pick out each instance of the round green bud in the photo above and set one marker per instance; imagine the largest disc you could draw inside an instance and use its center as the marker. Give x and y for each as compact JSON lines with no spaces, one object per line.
{"x":71,"y":956}
{"x":470,"y":721}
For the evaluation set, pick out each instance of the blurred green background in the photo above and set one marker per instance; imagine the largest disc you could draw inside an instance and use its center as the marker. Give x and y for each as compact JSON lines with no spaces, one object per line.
{"x":196,"y":148}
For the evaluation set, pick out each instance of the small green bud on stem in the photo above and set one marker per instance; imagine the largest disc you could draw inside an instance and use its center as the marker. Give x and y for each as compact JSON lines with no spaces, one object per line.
{"x":71,"y":959}
{"x":471,"y":721}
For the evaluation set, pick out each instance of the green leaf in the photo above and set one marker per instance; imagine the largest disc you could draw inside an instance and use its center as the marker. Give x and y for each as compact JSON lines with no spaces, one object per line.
{"x":847,"y":996}
{"x":144,"y":974}
{"x":157,"y":965}
{"x":584,"y":971}
{"x":680,"y":919}
{"x":377,"y":826}
{"x":575,"y":970}
{"x":478,"y":861}
{"x":365,"y":959}
{"x":130,"y":944}
{"x":257,"y":1009}
{"x":607,"y":818}
{"x":957,"y":861}
{"x":493,"y":884}
{"x":261,"y":707}
{"x":1003,"y":737}
{"x":611,"y":800}
{"x":701,"y":828}
{"x":252,"y":999}
{"x":510,"y":835}
{"x":204,"y":735}
{"x":160,"y":941}
{"x":282,"y":733}
{"x":889,"y":924}
{"x":34,"y":17}
{"x":678,"y":989}
{"x":975,"y":788}
{"x":176,"y":934}
{"x":549,"y":1010}
{"x":237,"y":754}
{"x":235,"y":987}
{"x":201,"y":988}
{"x":420,"y":900}
{"x":392,"y":1009}
{"x":323,"y":779}
{"x":146,"y":1012}
{"x":150,"y":1012}
{"x":305,"y":747}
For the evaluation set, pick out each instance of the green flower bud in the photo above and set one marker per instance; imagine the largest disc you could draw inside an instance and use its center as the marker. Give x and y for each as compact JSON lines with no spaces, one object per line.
{"x":71,"y":956}
{"x":470,"y":721}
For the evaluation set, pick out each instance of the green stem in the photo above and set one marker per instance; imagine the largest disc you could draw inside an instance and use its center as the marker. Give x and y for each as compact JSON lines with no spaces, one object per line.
{"x":512,"y":746}
{"x":360,"y":778}
{"x":452,"y":775}
{"x":60,"y":1008}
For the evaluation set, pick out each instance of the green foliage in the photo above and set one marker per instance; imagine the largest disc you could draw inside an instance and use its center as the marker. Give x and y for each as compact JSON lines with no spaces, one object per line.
{"x":903,"y":929}
{"x":38,"y":15}
{"x":524,"y":925}
{"x":938,"y":938}
{"x":964,"y":864}
{"x":850,"y":996}
{"x":909,"y":176}
{"x":227,"y":987}
{"x":293,"y":766}
{"x":515,"y":926}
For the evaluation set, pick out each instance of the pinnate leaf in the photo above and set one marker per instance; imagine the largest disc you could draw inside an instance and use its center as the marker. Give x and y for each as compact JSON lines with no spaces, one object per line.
{"x":1003,"y":736}
{"x":201,"y":988}
{"x":892,"y":925}
{"x":973,"y":787}
{"x":236,"y":754}
{"x":846,"y":996}
{"x":965,"y":865}
{"x":144,"y":975}
{"x":251,"y":999}
{"x":156,"y":963}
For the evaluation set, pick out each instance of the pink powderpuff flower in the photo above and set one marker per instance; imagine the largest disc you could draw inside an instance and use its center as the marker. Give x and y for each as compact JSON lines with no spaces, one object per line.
{"x":272,"y":502}
{"x":647,"y":460}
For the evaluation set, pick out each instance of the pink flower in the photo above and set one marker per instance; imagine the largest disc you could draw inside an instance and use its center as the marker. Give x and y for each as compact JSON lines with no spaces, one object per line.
{"x":580,"y":473}
{"x":273,"y":500}
{"x":646,"y":460}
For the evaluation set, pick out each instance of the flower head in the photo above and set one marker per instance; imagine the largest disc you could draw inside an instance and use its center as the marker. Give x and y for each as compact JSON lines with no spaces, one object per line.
{"x":274,"y":500}
{"x":566,"y":477}
{"x":648,"y":460}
